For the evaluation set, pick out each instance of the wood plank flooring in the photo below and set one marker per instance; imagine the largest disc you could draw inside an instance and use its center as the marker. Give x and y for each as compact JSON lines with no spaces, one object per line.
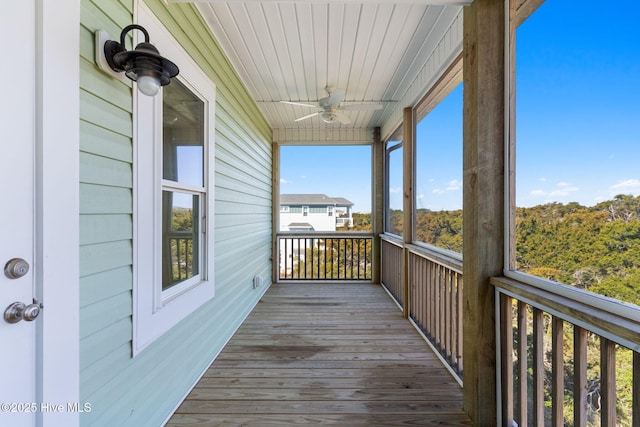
{"x":325,"y":354}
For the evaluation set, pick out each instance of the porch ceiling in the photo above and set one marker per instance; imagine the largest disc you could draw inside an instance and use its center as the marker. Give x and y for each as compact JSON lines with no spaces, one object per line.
{"x":291,"y":50}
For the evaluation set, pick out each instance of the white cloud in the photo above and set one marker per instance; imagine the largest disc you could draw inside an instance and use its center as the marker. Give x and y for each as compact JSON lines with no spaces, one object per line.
{"x":395,"y":190}
{"x":303,"y":176}
{"x":284,"y":181}
{"x":630,"y":185}
{"x":420,"y":196}
{"x":538,"y":193}
{"x":563,"y":189}
{"x":454,"y":185}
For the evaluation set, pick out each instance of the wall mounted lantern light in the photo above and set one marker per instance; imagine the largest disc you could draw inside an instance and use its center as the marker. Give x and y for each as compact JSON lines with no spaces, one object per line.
{"x":143,"y":65}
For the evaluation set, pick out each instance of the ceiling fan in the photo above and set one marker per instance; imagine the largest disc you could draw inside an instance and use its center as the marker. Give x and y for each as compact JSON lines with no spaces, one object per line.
{"x":329,"y":108}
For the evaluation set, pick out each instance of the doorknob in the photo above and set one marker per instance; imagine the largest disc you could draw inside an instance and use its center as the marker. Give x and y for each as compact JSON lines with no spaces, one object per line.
{"x":20,"y":311}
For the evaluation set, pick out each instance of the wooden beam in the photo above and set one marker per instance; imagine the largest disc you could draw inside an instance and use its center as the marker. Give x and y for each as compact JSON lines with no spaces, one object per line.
{"x":484,"y":212}
{"x":275,"y":210}
{"x":377,"y":164}
{"x":408,"y":202}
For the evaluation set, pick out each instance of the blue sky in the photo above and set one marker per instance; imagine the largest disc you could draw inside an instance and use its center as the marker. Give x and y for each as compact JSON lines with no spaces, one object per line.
{"x":578,"y":120}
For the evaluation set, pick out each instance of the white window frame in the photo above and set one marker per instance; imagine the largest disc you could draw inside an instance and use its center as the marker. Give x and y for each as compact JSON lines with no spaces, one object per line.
{"x":330,"y":211}
{"x":284,"y":209}
{"x":305,"y":211}
{"x":154,"y":311}
{"x":599,"y":301}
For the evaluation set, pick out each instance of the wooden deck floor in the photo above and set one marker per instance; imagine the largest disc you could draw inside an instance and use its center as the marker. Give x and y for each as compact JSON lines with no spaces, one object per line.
{"x":317,"y":354}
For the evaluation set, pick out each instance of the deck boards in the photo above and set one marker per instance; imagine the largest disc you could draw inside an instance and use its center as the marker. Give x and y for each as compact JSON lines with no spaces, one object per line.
{"x":324,"y":354}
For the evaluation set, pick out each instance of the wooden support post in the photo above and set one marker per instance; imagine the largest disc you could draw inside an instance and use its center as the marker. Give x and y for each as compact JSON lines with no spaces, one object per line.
{"x":408,"y":168}
{"x":275,"y":210}
{"x":377,"y":166}
{"x":484,"y":216}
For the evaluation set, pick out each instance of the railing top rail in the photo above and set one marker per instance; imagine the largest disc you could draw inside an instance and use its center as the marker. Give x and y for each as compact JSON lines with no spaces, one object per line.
{"x":619,"y":329}
{"x":321,"y":234}
{"x":449,"y":259}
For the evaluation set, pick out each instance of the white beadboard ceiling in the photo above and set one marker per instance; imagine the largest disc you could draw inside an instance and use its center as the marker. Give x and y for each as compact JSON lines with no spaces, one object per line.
{"x":386,"y":52}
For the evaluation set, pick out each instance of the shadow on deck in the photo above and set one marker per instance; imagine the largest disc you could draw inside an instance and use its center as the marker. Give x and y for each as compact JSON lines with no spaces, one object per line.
{"x":325,"y":354}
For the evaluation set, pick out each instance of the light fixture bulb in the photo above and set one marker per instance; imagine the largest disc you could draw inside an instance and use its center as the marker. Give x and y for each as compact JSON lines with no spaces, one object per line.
{"x":148,"y":85}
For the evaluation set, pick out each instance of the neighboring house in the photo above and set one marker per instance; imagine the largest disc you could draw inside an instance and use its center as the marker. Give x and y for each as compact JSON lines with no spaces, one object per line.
{"x":314,"y":212}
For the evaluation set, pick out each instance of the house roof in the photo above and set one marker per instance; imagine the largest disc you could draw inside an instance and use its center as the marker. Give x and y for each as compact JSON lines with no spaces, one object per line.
{"x":313,"y":199}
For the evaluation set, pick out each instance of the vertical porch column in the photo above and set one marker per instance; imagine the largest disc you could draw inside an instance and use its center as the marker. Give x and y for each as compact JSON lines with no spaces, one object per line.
{"x":377,"y":225}
{"x":483,"y":161}
{"x":408,"y":200}
{"x":275,"y":210}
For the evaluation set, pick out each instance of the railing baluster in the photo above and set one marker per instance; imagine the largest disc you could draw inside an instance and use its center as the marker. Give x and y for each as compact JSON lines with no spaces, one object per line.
{"x":538,"y":368}
{"x":608,"y":382}
{"x":557,"y":365}
{"x":579,"y":377}
{"x":506,"y":362}
{"x":460,"y":323}
{"x":523,"y":359}
{"x":636,"y":390}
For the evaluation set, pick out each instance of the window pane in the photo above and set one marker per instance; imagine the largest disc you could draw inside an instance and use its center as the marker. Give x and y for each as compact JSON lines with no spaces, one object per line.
{"x":394,"y":218}
{"x":180,"y":237}
{"x":182,"y":135}
{"x":578,"y":141}
{"x":325,"y":188}
{"x":439,"y":174}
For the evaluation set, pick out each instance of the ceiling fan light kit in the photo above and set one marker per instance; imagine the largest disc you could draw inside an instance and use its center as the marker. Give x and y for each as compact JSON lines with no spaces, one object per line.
{"x":329,"y":108}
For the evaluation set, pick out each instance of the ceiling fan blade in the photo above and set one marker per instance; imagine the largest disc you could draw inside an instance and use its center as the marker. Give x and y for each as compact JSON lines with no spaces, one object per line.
{"x":342,"y":118}
{"x":307,"y":116}
{"x":362,"y":107}
{"x":336,"y":97}
{"x":299,"y":103}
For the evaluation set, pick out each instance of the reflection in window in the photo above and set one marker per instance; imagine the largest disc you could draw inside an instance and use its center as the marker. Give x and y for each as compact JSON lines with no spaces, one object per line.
{"x":183,"y":135}
{"x":183,"y":183}
{"x":180,"y":219}
{"x":439,"y":174}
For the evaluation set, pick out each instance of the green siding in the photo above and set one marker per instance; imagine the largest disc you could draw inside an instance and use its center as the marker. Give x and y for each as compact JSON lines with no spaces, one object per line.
{"x":126,"y":391}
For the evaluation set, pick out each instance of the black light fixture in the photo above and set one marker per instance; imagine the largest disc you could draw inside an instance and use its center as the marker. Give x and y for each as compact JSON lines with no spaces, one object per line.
{"x":143,"y":65}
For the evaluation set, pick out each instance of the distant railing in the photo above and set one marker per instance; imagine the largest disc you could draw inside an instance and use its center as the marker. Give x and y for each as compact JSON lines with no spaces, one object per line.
{"x":564,"y":362}
{"x":434,"y":294}
{"x":325,"y":256}
{"x":342,"y":221}
{"x":183,"y":258}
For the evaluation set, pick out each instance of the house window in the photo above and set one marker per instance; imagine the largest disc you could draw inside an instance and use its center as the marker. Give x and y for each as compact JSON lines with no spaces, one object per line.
{"x":393,"y":185}
{"x":330,"y":210}
{"x":284,"y":209}
{"x":438,"y":184}
{"x":183,"y":186}
{"x":173,"y":194}
{"x":574,"y":201}
{"x":305,"y":211}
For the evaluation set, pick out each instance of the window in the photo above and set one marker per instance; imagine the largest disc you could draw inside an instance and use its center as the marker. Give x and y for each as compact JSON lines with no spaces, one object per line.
{"x":393,"y":186}
{"x":305,"y":211}
{"x":330,"y":210}
{"x":438,"y":193}
{"x":173,"y":194}
{"x":576,"y":222}
{"x":183,"y":189}
{"x":284,"y":209}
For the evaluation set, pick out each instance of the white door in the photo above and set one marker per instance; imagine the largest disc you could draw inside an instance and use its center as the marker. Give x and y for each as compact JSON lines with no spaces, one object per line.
{"x":17,"y":142}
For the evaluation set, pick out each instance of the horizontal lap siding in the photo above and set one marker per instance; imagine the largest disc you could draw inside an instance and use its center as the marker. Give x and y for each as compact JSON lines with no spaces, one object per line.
{"x":143,"y":391}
